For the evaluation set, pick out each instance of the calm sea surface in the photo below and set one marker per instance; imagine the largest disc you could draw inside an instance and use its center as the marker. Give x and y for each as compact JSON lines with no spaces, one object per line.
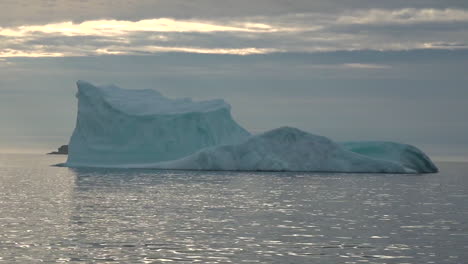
{"x":55,"y":215}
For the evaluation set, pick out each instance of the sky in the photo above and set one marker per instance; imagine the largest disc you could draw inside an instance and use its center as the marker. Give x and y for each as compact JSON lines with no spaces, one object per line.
{"x":350,"y":70}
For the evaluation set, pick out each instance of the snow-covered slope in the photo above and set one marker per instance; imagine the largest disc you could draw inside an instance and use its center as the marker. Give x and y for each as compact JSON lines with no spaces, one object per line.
{"x":406,"y":155}
{"x":115,"y":127}
{"x":283,"y":149}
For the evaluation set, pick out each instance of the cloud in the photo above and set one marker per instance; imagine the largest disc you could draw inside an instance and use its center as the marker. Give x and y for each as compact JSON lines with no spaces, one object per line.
{"x":365,"y":66}
{"x":156,"y":49}
{"x":27,"y":12}
{"x":371,"y":29}
{"x":121,"y":28}
{"x":444,"y":45}
{"x":404,"y":16}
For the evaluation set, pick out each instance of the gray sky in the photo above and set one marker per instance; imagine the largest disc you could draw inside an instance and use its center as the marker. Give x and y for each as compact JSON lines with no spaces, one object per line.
{"x":350,"y":70}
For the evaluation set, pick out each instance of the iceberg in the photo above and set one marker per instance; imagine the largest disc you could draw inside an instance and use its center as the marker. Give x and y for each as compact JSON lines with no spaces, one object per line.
{"x":115,"y":126}
{"x":118,"y":128}
{"x":404,"y":154}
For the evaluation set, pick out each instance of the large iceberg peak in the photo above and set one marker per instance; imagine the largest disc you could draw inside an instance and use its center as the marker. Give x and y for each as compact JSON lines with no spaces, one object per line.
{"x":117,"y":126}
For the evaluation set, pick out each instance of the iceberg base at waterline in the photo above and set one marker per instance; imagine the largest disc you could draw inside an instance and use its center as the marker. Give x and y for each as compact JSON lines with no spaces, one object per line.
{"x":119,"y":128}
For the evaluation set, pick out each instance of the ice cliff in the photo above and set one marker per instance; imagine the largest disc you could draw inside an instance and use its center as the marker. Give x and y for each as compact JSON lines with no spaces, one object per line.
{"x":116,"y":126}
{"x":119,"y":128}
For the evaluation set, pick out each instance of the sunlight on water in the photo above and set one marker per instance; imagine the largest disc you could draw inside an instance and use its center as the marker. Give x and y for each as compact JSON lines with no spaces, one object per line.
{"x":61,"y":215}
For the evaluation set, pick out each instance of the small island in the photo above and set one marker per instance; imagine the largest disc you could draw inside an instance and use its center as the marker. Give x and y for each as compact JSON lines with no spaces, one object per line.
{"x":62,"y":150}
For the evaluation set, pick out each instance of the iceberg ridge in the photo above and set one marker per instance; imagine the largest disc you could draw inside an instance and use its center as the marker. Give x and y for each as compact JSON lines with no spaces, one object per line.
{"x":283,"y":149}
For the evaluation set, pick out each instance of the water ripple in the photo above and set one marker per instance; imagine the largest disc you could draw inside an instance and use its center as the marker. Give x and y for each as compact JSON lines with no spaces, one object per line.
{"x":58,"y":215}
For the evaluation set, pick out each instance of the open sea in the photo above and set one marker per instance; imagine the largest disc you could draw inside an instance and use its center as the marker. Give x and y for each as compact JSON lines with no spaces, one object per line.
{"x":60,"y":215}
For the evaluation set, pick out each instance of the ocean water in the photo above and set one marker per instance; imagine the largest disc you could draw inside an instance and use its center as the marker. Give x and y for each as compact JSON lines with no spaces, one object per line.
{"x":58,"y":215}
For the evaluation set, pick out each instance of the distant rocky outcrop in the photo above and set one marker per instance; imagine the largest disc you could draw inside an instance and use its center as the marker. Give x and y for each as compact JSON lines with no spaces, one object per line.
{"x":63,"y":150}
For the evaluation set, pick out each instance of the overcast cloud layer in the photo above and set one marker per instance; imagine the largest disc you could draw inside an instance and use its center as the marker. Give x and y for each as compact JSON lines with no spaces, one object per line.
{"x":83,"y":28}
{"x":22,"y":12}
